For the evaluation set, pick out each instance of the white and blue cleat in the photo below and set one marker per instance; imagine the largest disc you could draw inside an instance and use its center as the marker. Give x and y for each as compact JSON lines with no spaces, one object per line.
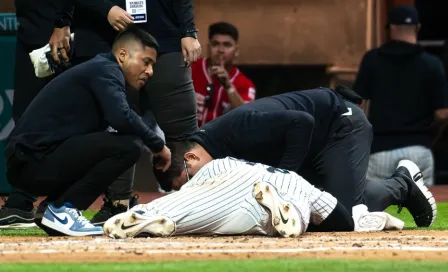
{"x":68,"y":220}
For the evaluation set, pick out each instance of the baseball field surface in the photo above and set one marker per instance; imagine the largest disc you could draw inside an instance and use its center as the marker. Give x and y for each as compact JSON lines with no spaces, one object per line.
{"x":410,"y":249}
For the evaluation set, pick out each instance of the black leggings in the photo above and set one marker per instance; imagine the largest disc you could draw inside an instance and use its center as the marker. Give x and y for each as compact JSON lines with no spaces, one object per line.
{"x":338,"y":220}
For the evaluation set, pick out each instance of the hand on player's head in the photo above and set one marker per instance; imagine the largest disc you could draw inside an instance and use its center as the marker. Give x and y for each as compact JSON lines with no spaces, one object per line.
{"x":136,"y":53}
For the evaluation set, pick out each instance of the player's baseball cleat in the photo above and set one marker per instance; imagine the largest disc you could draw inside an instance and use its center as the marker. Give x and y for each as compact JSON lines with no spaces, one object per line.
{"x":285,"y":218}
{"x":420,"y":202}
{"x":69,"y":221}
{"x":134,"y":224}
{"x":109,"y":209}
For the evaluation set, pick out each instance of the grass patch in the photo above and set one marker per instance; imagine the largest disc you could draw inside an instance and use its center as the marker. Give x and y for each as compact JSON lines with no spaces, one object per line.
{"x":279,"y":265}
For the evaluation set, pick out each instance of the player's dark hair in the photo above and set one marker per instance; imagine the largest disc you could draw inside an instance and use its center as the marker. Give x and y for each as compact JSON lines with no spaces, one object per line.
{"x":223,"y":28}
{"x":178,"y":150}
{"x":136,"y":33}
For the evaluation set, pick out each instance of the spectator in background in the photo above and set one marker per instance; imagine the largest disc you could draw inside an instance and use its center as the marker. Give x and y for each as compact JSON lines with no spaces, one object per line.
{"x":168,"y":96}
{"x":219,"y":85}
{"x":405,"y":91}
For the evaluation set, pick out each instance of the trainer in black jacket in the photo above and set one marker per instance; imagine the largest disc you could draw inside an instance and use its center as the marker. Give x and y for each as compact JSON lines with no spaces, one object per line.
{"x":60,"y":146}
{"x":314,"y":133}
{"x":168,"y":96}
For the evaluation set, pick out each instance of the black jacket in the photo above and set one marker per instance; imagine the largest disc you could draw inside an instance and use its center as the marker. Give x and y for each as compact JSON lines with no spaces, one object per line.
{"x":273,"y":130}
{"x":405,"y":86}
{"x":167,"y":19}
{"x":85,"y":99}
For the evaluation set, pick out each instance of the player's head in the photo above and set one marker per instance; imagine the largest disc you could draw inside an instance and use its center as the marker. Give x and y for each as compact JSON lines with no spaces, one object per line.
{"x":223,"y":43}
{"x":136,"y":53}
{"x":403,"y":21}
{"x":187,"y":158}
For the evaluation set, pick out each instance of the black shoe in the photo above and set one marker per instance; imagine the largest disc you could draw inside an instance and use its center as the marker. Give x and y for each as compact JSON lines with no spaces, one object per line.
{"x":420,"y":202}
{"x":16,"y":219}
{"x":109,"y":209}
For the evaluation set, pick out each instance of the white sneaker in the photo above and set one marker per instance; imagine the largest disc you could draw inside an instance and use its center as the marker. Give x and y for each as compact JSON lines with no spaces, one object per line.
{"x":285,"y":218}
{"x":69,"y":220}
{"x":134,"y":223}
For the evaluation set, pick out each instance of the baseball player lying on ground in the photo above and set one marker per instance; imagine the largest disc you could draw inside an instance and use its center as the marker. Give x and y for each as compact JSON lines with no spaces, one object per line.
{"x":235,"y":197}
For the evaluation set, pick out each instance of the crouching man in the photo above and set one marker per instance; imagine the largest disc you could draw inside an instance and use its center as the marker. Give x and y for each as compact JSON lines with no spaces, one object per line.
{"x":235,"y":197}
{"x":60,"y":147}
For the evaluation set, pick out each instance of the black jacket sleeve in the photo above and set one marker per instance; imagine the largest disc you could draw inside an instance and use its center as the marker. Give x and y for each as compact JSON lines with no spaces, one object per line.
{"x":293,"y":128}
{"x":185,"y":15}
{"x":66,"y":12}
{"x":108,"y":88}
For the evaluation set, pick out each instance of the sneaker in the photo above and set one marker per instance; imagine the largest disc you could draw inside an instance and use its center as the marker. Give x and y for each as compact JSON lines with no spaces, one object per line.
{"x":285,"y":218}
{"x":40,"y":211}
{"x":69,"y":221}
{"x":134,"y":223}
{"x":16,"y":219}
{"x":109,"y":209}
{"x":420,"y":202}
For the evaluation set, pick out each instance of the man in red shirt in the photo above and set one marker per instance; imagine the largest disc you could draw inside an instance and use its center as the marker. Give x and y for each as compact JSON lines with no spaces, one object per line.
{"x":219,"y":85}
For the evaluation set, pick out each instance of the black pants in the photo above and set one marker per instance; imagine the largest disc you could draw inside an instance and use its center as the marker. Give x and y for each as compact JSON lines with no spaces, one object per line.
{"x":341,"y":167}
{"x":26,"y":87}
{"x":78,"y":170}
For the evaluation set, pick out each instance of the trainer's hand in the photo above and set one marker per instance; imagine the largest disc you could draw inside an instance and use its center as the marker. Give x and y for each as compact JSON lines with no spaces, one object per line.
{"x":191,"y":49}
{"x":60,"y":40}
{"x":119,"y":18}
{"x":164,"y":159}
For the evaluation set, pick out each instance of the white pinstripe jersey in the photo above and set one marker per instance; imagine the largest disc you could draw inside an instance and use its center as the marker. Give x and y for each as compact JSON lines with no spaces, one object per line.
{"x":219,"y":200}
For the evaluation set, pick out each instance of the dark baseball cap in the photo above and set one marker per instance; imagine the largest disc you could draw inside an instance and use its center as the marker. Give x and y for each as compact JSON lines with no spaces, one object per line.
{"x":403,"y":15}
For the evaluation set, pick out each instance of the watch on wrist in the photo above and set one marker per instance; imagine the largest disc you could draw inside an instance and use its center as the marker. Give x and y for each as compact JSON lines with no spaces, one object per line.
{"x":231,"y":90}
{"x":190,"y":33}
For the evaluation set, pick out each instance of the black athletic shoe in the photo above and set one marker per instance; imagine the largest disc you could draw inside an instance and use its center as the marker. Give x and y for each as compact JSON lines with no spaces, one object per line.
{"x":16,"y":219}
{"x":109,"y":209}
{"x":420,"y":201}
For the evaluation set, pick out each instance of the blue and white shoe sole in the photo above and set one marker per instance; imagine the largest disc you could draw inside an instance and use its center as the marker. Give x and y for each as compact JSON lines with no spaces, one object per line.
{"x":285,"y":218}
{"x":59,"y":228}
{"x":130,"y":224}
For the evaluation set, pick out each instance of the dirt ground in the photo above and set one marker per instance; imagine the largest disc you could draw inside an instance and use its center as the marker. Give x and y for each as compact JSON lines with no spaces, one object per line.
{"x":405,"y":245}
{"x":399,"y":245}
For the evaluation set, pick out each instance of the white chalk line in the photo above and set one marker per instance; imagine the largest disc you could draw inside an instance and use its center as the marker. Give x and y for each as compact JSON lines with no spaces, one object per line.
{"x":223,"y":251}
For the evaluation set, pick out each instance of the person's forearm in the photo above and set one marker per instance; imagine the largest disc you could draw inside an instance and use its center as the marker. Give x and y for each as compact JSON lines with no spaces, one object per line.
{"x":102,"y":6}
{"x":185,"y":15}
{"x":235,"y":98}
{"x":64,"y":16}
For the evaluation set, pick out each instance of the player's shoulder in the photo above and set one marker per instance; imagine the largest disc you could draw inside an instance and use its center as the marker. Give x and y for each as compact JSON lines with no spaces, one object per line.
{"x":242,"y":80}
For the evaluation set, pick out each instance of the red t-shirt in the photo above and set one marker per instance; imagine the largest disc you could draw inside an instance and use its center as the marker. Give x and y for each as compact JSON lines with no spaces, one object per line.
{"x":219,"y":103}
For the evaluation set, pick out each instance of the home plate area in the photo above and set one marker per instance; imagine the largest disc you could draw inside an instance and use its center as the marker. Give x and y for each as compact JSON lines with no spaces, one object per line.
{"x":404,"y":245}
